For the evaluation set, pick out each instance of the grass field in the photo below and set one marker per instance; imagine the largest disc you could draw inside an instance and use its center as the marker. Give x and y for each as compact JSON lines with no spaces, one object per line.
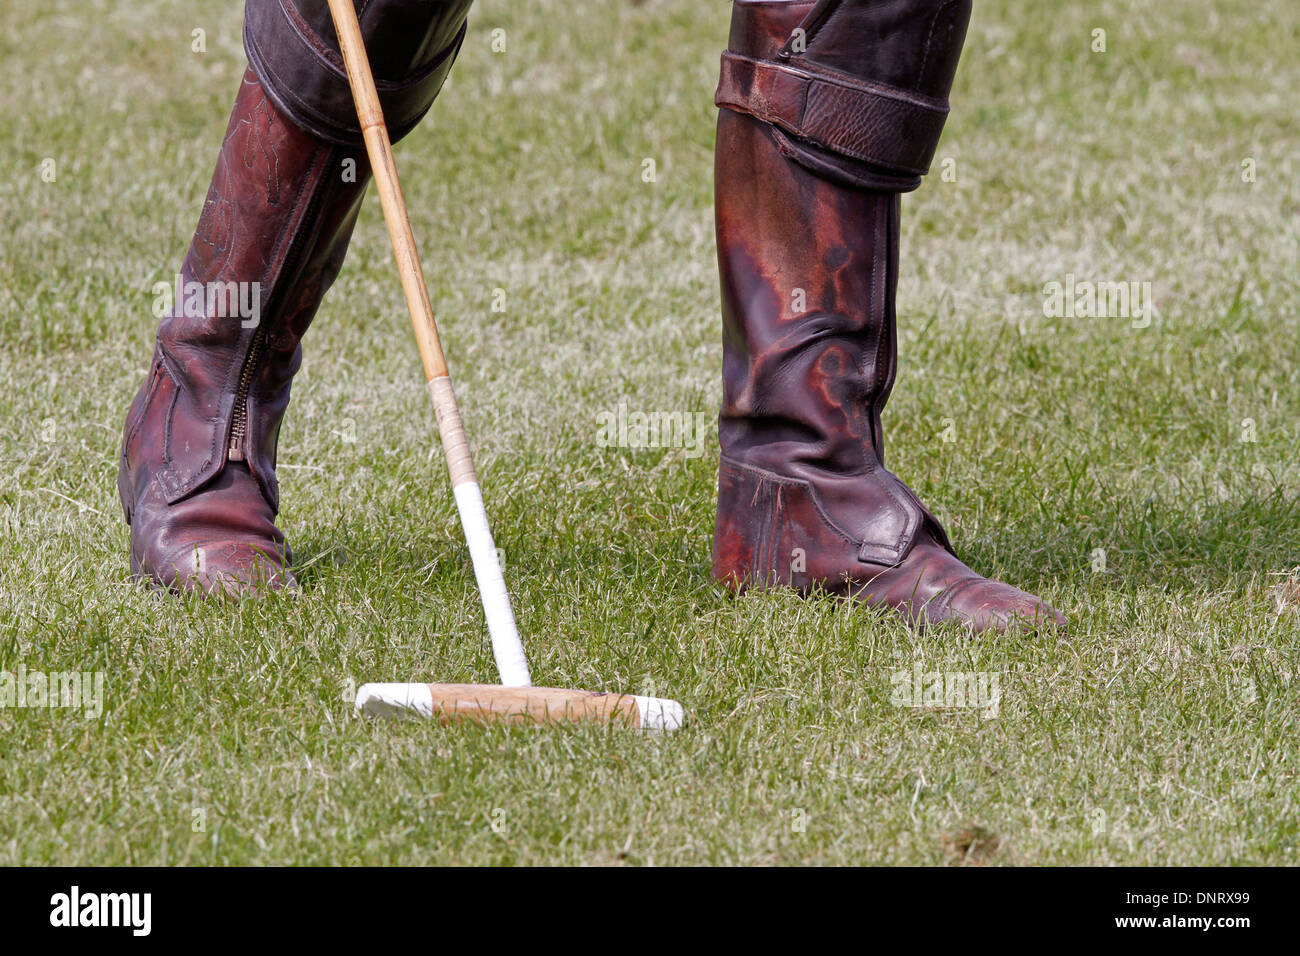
{"x":1144,"y":478}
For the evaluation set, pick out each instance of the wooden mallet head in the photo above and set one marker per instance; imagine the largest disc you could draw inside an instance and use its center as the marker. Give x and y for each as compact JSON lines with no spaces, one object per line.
{"x":492,"y":703}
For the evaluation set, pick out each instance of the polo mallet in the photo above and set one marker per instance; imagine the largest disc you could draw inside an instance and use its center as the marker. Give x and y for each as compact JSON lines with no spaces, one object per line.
{"x":515,"y":699}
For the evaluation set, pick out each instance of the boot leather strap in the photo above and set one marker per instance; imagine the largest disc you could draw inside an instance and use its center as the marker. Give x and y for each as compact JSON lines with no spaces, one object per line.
{"x":872,"y":122}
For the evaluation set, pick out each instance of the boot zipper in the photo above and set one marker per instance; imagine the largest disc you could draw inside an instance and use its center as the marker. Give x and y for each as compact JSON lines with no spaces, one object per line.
{"x":239,"y":420}
{"x":239,"y":423}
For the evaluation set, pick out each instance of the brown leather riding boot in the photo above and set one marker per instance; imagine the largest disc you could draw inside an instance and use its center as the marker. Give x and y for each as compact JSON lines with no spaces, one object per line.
{"x":830,"y":110}
{"x":197,"y":476}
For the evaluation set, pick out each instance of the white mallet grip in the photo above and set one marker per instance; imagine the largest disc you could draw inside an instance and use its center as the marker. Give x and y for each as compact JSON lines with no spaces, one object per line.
{"x":506,"y":646}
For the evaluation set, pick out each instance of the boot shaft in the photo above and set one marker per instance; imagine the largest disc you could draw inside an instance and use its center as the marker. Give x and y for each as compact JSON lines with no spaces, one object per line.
{"x":807,"y":253}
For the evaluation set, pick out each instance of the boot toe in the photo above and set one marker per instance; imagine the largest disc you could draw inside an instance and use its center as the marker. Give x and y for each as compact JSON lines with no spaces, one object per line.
{"x":989,"y":605}
{"x":233,"y":568}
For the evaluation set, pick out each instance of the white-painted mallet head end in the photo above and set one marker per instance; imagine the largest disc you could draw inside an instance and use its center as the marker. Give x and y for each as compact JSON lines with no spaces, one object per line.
{"x":395,"y":700}
{"x":659,"y":713}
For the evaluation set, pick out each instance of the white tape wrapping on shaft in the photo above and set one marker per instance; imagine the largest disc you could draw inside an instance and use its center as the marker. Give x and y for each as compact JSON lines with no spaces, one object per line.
{"x":506,"y":646}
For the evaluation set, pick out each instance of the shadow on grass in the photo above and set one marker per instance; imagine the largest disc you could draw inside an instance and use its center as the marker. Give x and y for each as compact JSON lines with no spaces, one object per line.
{"x":1150,"y":543}
{"x":1186,"y":545}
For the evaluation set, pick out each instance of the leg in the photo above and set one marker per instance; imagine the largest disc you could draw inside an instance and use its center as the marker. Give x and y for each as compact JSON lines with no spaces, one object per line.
{"x":197,"y":474}
{"x":830,"y":110}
